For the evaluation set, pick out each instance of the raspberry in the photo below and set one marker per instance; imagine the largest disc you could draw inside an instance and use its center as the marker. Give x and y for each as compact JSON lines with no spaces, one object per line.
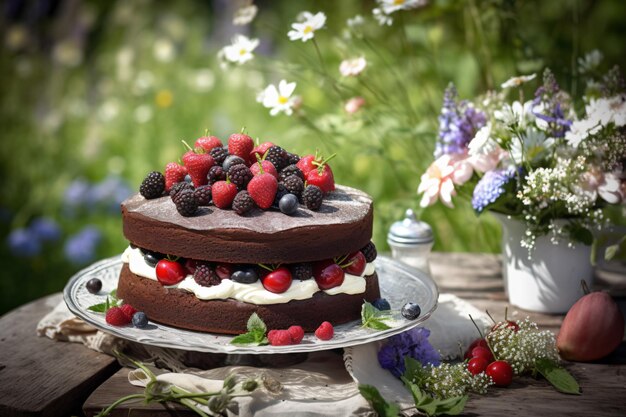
{"x":203,"y":195}
{"x":206,"y":276}
{"x":370,"y":252}
{"x":240,"y":175}
{"x":292,"y":158}
{"x":178,"y":187}
{"x":294,"y":185}
{"x":296,"y":333}
{"x":128,"y":311}
{"x":279,"y":337}
{"x":280,"y":192}
{"x":290,"y":170}
{"x":278,"y":157}
{"x":243,"y":203}
{"x":186,"y":203}
{"x":219,"y":154}
{"x":325,"y":331}
{"x":302,"y":271}
{"x":116,"y":317}
{"x":153,"y":185}
{"x":216,"y":173}
{"x":312,"y":197}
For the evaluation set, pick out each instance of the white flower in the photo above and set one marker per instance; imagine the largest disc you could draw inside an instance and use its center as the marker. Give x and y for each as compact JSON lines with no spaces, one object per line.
{"x":354,"y":104}
{"x":202,"y":80}
{"x":305,"y":30}
{"x":240,"y":51}
{"x":515,"y":114}
{"x":245,"y":15}
{"x":533,"y":142}
{"x":163,"y":50}
{"x":437,"y":183}
{"x":355,"y":21}
{"x":610,"y":189}
{"x":390,"y":6}
{"x":518,"y":81}
{"x":600,"y":113}
{"x":381,"y":17}
{"x":143,"y":113}
{"x":352,"y":67}
{"x":581,"y":130}
{"x":278,"y":99}
{"x":590,"y":61}
{"x":482,"y":143}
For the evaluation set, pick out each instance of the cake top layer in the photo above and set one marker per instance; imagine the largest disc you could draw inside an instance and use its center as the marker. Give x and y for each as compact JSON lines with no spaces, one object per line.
{"x":343,"y":224}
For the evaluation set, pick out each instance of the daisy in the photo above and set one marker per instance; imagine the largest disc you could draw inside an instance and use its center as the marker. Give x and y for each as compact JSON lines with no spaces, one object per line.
{"x":518,"y":81}
{"x":352,"y":67}
{"x":305,"y":30}
{"x":515,"y":114}
{"x":245,"y":15}
{"x":390,"y":6}
{"x":278,"y":99}
{"x":482,"y":143}
{"x":240,"y":51}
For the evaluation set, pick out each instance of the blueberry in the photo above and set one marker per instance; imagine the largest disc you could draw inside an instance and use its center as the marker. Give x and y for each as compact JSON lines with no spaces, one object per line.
{"x":381,"y":304}
{"x":232,"y":160}
{"x":140,"y":320}
{"x":288,"y":204}
{"x":94,"y":285}
{"x":245,"y":275}
{"x":188,"y":179}
{"x":152,"y":258}
{"x":411,"y":311}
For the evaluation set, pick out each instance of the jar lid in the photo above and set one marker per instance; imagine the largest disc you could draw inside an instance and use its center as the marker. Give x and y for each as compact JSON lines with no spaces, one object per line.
{"x":410,"y":231}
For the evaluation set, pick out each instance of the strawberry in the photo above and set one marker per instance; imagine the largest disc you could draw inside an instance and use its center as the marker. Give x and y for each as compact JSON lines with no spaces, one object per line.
{"x":260,"y":150}
{"x":325,"y":331}
{"x":198,"y":164}
{"x":116,"y":317}
{"x":262,"y":188}
{"x":208,"y":142}
{"x":306,"y":163}
{"x":174,"y":173}
{"x":241,"y":145}
{"x":128,"y":311}
{"x":279,"y":337}
{"x":267,"y":167}
{"x":322,"y":177}
{"x":224,"y":193}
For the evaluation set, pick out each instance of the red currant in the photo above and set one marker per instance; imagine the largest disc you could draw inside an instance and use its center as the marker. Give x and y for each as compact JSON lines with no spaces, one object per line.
{"x":328,"y":274}
{"x":500,"y":372}
{"x":477,"y":365}
{"x":356,"y":264}
{"x":475,"y":343}
{"x":277,"y":281}
{"x":170,"y":272}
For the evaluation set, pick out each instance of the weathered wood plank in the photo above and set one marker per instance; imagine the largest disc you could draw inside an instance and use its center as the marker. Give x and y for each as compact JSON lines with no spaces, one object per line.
{"x":41,"y":377}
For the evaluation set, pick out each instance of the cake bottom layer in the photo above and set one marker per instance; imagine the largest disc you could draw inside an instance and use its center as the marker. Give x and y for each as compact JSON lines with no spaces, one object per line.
{"x":179,"y":308}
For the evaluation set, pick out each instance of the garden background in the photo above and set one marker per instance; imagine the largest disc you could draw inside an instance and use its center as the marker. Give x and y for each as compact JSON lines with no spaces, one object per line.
{"x":96,"y":94}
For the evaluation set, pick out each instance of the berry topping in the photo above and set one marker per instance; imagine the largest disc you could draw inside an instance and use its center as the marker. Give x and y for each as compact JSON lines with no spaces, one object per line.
{"x":116,"y":317}
{"x":307,"y":163}
{"x":245,"y":275}
{"x":312,"y":197}
{"x":355,"y":264}
{"x":278,"y":281}
{"x":328,"y":274}
{"x":240,"y":175}
{"x":203,"y":195}
{"x":188,"y":179}
{"x":198,"y":165}
{"x":279,"y":338}
{"x":381,"y":304}
{"x":290,"y":170}
{"x":216,"y":173}
{"x":262,"y":189}
{"x":170,"y":272}
{"x":94,"y":285}
{"x":241,"y":145}
{"x":322,"y":177}
{"x":477,"y":365}
{"x":411,"y":311}
{"x":370,"y":252}
{"x":292,"y":158}
{"x":153,"y":185}
{"x":224,"y":193}
{"x":140,"y":320}
{"x":294,"y":185}
{"x":224,"y":271}
{"x":500,"y":372}
{"x":280,"y":192}
{"x":232,"y":160}
{"x":178,"y":187}
{"x":174,"y":173}
{"x":129,"y":311}
{"x":297,"y":334}
{"x":186,"y":203}
{"x":243,"y":203}
{"x":208,"y":142}
{"x":205,"y":275}
{"x":325,"y":331}
{"x":259,"y":151}
{"x":302,"y":271}
{"x":219,"y":154}
{"x":152,"y":258}
{"x":190,"y":265}
{"x":267,"y":167}
{"x":277,"y":156}
{"x":288,"y":204}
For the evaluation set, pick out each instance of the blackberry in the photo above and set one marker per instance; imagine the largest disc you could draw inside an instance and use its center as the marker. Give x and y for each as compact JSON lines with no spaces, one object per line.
{"x":153,"y":185}
{"x":302,"y":271}
{"x":232,"y":160}
{"x":294,"y":185}
{"x":203,"y":195}
{"x":178,"y":187}
{"x":216,"y":173}
{"x":292,"y":158}
{"x":370,"y":252}
{"x":219,"y":154}
{"x":186,"y":203}
{"x":281,"y":191}
{"x":205,"y":275}
{"x":278,"y":157}
{"x":243,"y":203}
{"x":312,"y":197}
{"x":290,"y":170}
{"x":240,"y":175}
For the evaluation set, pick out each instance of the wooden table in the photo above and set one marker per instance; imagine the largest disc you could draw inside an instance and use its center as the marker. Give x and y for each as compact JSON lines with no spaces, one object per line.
{"x":40,"y":377}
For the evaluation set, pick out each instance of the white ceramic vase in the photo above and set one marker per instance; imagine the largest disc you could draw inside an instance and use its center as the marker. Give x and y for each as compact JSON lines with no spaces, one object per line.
{"x":548,"y":282}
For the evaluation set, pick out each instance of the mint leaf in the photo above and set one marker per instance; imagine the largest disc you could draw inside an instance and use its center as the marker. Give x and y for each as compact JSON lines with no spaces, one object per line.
{"x":435,"y":406}
{"x":558,"y":376}
{"x":255,"y":323}
{"x":255,"y":335}
{"x":377,"y":324}
{"x":98,"y":308}
{"x":244,"y":339}
{"x":378,"y":403}
{"x":113,"y":294}
{"x":374,"y":318}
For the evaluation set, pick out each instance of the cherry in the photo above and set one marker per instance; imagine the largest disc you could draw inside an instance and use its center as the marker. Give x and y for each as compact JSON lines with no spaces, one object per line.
{"x":170,"y":272}
{"x":477,"y":365}
{"x":501,"y":373}
{"x":481,"y":352}
{"x":328,"y":274}
{"x":190,"y":265}
{"x":224,"y":271}
{"x":277,"y":281}
{"x":356,"y":264}
{"x":475,"y":343}
{"x":509,"y":324}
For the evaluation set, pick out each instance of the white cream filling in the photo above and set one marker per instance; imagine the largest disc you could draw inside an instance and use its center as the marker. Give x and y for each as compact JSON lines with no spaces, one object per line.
{"x":253,"y":293}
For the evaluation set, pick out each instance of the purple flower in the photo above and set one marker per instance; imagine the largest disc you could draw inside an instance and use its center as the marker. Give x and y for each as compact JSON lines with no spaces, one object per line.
{"x":24,"y":243}
{"x":81,"y":247}
{"x":44,"y":229}
{"x":550,"y":101}
{"x":458,"y":123}
{"x":413,"y":343}
{"x":490,"y":188}
{"x":76,"y":194}
{"x":109,"y":193}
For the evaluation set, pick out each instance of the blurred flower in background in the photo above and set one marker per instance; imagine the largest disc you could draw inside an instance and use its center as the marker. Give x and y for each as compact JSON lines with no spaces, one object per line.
{"x":80,"y":248}
{"x":278,"y":99}
{"x":307,"y":25}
